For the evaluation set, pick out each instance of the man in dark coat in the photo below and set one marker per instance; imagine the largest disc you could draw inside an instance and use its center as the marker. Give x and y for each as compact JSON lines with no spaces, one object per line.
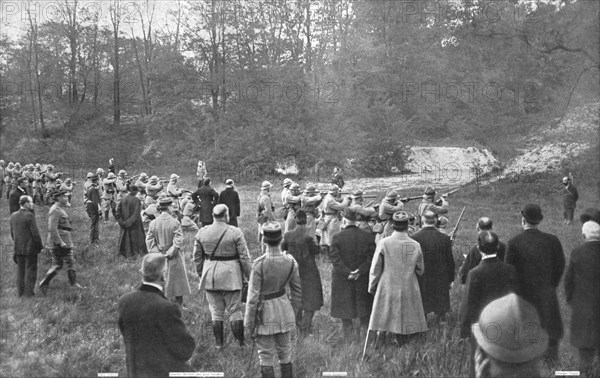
{"x":92,"y":207}
{"x":208,"y":198}
{"x":488,"y":281}
{"x":231,"y":199}
{"x":28,"y":244}
{"x":351,"y":254}
{"x":539,"y":260}
{"x":474,"y":256}
{"x":439,"y":266}
{"x":156,"y":339}
{"x":570,"y":197}
{"x":582,"y":290}
{"x":132,"y":239}
{"x":16,"y":194}
{"x":303,"y":249}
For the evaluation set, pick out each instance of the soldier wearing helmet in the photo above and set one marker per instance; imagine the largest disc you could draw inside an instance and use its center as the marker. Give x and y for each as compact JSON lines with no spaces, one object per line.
{"x":86,"y":185}
{"x":364,"y":215}
{"x":287,"y":182}
{"x":68,"y":186}
{"x":389,"y":205}
{"x":291,"y":205}
{"x":428,"y":204}
{"x":37,"y":185}
{"x":142,"y":182}
{"x":7,"y":177}
{"x":108,"y":195}
{"x":309,"y":201}
{"x":153,"y":187}
{"x":51,"y":178}
{"x":121,"y":185}
{"x":175,"y":192}
{"x":331,"y":216}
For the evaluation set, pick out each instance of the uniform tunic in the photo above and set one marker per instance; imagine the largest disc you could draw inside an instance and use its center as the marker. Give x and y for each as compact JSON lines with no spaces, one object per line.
{"x":331,"y":210}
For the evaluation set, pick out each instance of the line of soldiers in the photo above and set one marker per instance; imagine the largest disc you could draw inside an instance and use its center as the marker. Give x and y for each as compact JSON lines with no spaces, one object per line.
{"x":41,"y":181}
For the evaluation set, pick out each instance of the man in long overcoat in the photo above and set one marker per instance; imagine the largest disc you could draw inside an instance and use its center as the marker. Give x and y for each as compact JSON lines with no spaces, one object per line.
{"x":208,"y":198}
{"x":16,"y":194}
{"x":582,"y":290}
{"x":473,"y":257}
{"x":230,"y":198}
{"x":28,"y":244}
{"x":157,"y":341}
{"x":439,"y":266}
{"x":165,"y":236}
{"x":351,"y":254}
{"x":393,"y":280}
{"x":132,"y":239}
{"x":539,"y":260}
{"x":303,"y":249}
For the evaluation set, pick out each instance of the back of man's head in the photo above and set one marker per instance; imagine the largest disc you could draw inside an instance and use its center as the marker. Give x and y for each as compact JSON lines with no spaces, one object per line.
{"x":153,"y":265}
{"x":429,"y":217}
{"x":591,"y":231}
{"x":484,"y":224}
{"x":24,"y":199}
{"x":487,"y":242}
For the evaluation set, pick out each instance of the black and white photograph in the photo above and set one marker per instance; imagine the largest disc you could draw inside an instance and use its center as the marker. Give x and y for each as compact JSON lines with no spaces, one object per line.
{"x":299,"y":188}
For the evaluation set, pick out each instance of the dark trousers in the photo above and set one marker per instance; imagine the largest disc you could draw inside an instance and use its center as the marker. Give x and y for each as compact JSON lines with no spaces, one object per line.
{"x":95,"y":227}
{"x":233,"y":222}
{"x":26,"y":274}
{"x":568,"y":214}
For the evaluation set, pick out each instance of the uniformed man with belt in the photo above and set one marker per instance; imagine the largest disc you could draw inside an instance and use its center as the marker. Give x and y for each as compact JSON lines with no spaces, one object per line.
{"x":265,"y":209}
{"x":364,"y":215}
{"x":59,"y":241}
{"x":389,"y":206}
{"x":331,"y":216}
{"x":174,"y":192}
{"x":428,"y":204}
{"x":292,"y":204}
{"x":108,"y":195}
{"x":222,"y":260}
{"x":270,"y":315}
{"x":309,"y":201}
{"x":121,"y":185}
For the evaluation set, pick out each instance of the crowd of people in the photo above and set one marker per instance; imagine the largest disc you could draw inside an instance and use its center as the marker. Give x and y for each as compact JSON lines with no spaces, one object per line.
{"x":392,"y":271}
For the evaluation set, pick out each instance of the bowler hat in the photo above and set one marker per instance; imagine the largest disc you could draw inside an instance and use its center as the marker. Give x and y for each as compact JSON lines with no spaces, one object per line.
{"x":532,"y":213}
{"x":271,"y":231}
{"x":509,"y":330}
{"x":591,"y":214}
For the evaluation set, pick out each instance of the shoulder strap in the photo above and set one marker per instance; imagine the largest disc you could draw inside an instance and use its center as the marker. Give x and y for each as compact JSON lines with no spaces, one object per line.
{"x":219,"y":242}
{"x":288,"y":277}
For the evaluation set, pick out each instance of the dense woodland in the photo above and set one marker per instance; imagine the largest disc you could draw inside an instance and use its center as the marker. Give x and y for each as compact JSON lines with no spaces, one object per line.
{"x":251,"y":82}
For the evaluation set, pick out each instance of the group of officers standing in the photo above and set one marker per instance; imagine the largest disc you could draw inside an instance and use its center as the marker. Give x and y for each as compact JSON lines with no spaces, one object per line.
{"x":387,"y":273}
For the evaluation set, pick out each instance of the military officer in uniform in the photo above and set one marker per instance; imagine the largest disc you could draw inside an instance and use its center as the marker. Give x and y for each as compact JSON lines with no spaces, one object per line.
{"x":108,"y":195}
{"x":309,"y":201}
{"x":174,"y":192}
{"x":364,"y":215}
{"x":265,"y":209}
{"x":428,"y":204}
{"x":222,"y":262}
{"x":270,"y":315}
{"x":51,"y":177}
{"x":331,"y":216}
{"x":388,"y":207}
{"x":287,"y":182}
{"x":121,"y":185}
{"x":59,"y":241}
{"x":292,"y":204}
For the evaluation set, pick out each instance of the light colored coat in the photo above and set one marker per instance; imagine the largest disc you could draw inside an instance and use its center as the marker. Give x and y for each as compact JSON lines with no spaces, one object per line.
{"x":397,"y":306}
{"x":221,"y":275}
{"x":165,"y":236}
{"x":58,"y":217}
{"x":331,"y":209}
{"x":272,"y":272}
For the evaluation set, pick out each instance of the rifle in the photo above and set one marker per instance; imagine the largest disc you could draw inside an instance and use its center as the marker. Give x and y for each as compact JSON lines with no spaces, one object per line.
{"x":453,"y":233}
{"x":439,"y":201}
{"x":406,"y":199}
{"x":133,"y":178}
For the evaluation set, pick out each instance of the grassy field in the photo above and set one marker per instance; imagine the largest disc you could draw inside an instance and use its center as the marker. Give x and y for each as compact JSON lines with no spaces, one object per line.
{"x":73,"y":333}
